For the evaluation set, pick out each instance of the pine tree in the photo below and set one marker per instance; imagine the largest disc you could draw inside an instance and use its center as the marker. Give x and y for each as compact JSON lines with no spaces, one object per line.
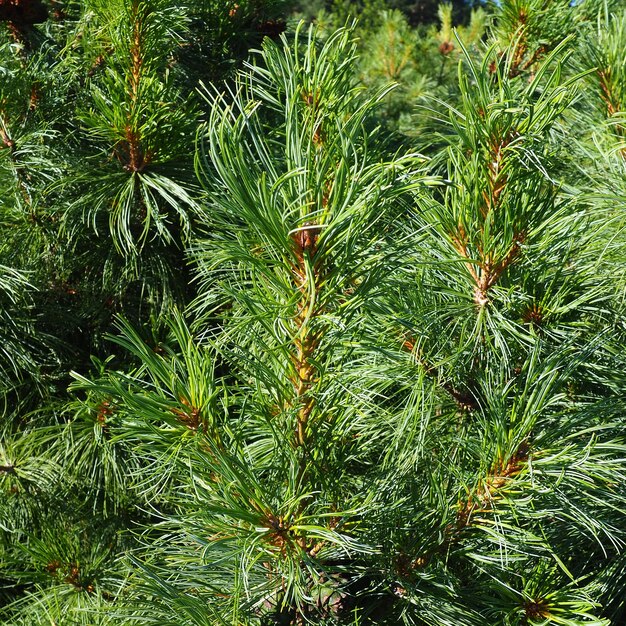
{"x":98,"y":116}
{"x":386,"y":386}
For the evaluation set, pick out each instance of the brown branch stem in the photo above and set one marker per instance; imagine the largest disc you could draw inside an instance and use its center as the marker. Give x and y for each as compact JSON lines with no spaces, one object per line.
{"x":20,"y":176}
{"x":481,"y":500}
{"x":130,"y":150}
{"x":306,"y":340}
{"x":465,"y":399}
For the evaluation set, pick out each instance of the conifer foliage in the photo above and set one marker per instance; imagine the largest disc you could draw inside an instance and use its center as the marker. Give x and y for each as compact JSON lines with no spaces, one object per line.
{"x":338,"y":354}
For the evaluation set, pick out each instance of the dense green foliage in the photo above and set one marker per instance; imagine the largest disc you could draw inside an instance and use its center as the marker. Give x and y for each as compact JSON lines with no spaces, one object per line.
{"x":312,"y":321}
